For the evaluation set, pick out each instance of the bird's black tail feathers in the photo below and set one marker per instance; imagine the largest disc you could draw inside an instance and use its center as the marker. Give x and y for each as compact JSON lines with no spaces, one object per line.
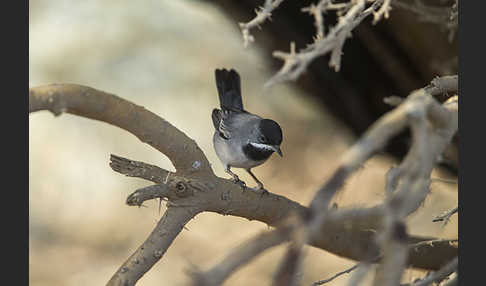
{"x":229,"y":89}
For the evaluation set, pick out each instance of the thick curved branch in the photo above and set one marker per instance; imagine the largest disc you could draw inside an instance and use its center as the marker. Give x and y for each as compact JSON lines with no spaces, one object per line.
{"x":348,"y":233}
{"x":88,"y":102}
{"x":167,"y":229}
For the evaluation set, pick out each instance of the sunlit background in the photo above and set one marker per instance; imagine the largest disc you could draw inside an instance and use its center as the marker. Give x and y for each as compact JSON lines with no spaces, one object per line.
{"x":162,"y":55}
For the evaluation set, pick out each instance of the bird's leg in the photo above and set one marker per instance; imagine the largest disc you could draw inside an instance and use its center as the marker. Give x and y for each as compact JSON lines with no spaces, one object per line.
{"x":260,"y":184}
{"x":236,"y":180}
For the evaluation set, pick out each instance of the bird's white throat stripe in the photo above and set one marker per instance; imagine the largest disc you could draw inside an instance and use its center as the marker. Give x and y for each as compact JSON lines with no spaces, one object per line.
{"x":261,"y":146}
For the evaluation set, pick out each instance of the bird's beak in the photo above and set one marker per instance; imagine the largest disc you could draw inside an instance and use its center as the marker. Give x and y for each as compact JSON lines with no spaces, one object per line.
{"x":277,"y":150}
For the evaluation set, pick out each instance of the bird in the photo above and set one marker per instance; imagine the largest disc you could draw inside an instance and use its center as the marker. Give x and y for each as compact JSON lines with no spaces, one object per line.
{"x":241,"y":139}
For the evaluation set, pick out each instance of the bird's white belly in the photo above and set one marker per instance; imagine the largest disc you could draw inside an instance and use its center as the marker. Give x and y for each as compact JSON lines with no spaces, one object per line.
{"x":232,"y":154}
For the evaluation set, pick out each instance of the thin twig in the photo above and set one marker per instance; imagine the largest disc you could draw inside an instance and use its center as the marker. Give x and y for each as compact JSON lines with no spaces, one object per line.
{"x":433,"y":243}
{"x":360,"y":273}
{"x":320,"y":282}
{"x":439,"y":275}
{"x":445,"y":216}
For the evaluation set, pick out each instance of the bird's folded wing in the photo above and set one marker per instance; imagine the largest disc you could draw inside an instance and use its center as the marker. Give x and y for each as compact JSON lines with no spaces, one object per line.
{"x":219,"y":117}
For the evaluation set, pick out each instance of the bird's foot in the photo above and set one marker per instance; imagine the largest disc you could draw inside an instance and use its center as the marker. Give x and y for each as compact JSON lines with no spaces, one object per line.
{"x":263,"y":190}
{"x":239,"y":182}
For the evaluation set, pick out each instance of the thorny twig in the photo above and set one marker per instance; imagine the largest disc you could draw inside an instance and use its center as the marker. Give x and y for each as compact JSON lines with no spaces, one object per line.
{"x":351,"y":14}
{"x":262,"y":15}
{"x":296,"y":63}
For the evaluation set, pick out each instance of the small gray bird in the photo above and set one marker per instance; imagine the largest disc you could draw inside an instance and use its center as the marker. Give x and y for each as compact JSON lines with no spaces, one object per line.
{"x":241,"y":139}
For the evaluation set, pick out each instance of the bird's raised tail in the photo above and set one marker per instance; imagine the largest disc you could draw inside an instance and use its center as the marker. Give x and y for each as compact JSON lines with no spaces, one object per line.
{"x":229,"y":89}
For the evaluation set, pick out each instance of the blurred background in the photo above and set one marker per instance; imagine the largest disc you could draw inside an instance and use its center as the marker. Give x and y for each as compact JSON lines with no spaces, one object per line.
{"x":162,"y":55}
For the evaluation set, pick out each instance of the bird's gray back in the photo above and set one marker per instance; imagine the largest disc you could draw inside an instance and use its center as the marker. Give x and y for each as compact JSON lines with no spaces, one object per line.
{"x":242,"y":127}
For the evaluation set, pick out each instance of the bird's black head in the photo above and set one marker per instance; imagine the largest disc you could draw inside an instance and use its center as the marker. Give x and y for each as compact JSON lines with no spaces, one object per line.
{"x":268,"y":139}
{"x":270,"y":132}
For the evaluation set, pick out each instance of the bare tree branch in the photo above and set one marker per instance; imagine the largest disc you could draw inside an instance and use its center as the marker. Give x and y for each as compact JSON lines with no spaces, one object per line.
{"x":353,"y":229}
{"x":439,"y":275}
{"x":262,"y":15}
{"x":389,"y":271}
{"x":167,"y":229}
{"x":444,"y":84}
{"x":148,"y":193}
{"x":194,"y":188}
{"x":188,"y":158}
{"x":138,"y":169}
{"x":384,"y":129}
{"x":296,"y":63}
{"x":452,"y":282}
{"x":320,"y":282}
{"x":287,"y":273}
{"x":384,"y":11}
{"x":360,"y":273}
{"x":433,"y":243}
{"x":414,"y":175}
{"x":416,"y":112}
{"x":446,"y":216}
{"x":240,"y":256}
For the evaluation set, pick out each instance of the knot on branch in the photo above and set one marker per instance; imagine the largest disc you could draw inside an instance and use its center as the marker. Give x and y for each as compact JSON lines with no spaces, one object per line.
{"x":181,"y":189}
{"x":174,"y":189}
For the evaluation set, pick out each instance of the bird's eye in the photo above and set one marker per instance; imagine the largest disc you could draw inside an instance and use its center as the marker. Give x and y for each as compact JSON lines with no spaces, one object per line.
{"x":263,"y":139}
